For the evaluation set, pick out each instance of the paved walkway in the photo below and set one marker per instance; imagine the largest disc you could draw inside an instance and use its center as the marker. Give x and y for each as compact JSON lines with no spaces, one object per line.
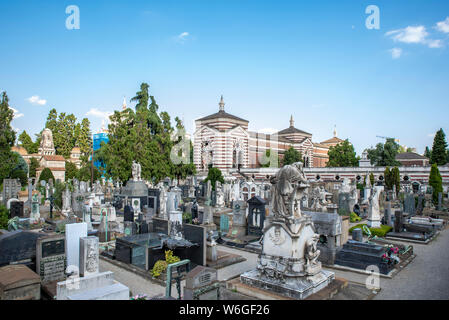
{"x":426,"y":277}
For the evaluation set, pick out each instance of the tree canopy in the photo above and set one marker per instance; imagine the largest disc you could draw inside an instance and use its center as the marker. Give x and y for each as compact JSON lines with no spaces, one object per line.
{"x":343,"y":155}
{"x":46,"y":175}
{"x":147,"y":137}
{"x":384,"y":154}
{"x":214,"y":175}
{"x":26,"y":142}
{"x":8,"y":159}
{"x":67,"y":133}
{"x":291,"y":156}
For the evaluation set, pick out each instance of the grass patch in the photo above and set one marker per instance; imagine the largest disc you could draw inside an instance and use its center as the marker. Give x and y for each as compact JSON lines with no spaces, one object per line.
{"x":379,"y":232}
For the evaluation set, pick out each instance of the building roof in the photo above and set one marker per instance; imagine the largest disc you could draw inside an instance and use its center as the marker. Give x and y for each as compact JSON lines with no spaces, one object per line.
{"x":54,"y":158}
{"x":292,"y":130}
{"x":410,"y":156}
{"x":332,"y":140}
{"x":20,"y":150}
{"x":222,"y":114}
{"x":51,"y":169}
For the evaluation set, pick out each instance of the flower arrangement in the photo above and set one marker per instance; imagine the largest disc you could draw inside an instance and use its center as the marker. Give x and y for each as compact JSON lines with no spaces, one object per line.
{"x":140,"y":297}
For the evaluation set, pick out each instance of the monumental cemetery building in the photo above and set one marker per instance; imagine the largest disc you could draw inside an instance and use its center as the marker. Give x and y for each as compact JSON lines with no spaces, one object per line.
{"x":47,"y":157}
{"x":223,"y":140}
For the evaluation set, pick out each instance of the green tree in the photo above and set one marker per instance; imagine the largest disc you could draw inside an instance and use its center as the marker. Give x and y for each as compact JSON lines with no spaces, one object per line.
{"x":214,"y":175}
{"x":4,"y":217}
{"x":384,"y":154}
{"x":21,"y":175}
{"x":85,"y":172}
{"x":343,"y":155}
{"x":8,"y":160}
{"x":371,"y":178}
{"x":34,"y":164}
{"x":26,"y":142}
{"x":84,"y":140}
{"x":186,"y":167}
{"x":46,"y":175}
{"x":396,"y":179}
{"x":436,"y":181}
{"x":291,"y":156}
{"x":428,"y":153}
{"x":439,"y":152}
{"x":70,"y":170}
{"x":145,"y":136}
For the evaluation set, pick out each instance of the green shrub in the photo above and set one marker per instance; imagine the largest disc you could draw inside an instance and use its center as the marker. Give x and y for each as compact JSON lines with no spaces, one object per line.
{"x":159,"y":267}
{"x":4,"y":217}
{"x":354,"y":217}
{"x":170,"y":258}
{"x":379,"y":232}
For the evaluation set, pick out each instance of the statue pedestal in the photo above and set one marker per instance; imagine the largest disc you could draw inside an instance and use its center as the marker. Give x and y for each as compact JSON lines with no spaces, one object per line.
{"x":288,"y":263}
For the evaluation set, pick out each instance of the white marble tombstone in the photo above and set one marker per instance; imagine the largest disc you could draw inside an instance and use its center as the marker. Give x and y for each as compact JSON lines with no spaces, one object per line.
{"x":73,"y":233}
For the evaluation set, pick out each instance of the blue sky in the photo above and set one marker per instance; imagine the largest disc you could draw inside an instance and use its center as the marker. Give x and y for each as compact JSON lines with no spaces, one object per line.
{"x":270,"y":59}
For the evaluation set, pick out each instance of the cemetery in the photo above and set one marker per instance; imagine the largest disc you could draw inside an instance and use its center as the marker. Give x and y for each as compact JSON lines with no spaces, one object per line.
{"x":141,"y":226}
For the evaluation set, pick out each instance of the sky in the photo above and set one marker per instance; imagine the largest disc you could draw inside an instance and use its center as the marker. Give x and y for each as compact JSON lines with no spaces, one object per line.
{"x":315,"y":60}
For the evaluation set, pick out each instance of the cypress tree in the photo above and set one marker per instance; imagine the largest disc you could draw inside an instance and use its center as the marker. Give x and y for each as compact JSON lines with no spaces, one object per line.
{"x":436,"y":181}
{"x":439,"y":152}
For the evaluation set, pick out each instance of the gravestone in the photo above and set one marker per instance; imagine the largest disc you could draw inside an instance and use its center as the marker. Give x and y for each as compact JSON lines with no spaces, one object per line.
{"x":440,"y":201}
{"x":16,"y":209}
{"x":409,"y":204}
{"x":420,"y":206}
{"x":224,"y":223}
{"x":129,"y":228}
{"x":89,"y":256}
{"x":128,"y":214}
{"x":73,"y":233}
{"x":398,"y":223}
{"x":35,"y":214}
{"x":357,"y":235}
{"x":51,"y":259}
{"x":202,"y":284}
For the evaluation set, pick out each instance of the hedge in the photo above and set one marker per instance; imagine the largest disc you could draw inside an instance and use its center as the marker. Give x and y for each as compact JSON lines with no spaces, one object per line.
{"x":379,"y":232}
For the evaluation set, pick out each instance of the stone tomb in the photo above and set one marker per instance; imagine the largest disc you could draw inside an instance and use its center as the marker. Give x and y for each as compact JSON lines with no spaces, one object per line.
{"x":361,"y":255}
{"x":51,"y":260}
{"x":19,"y":247}
{"x":329,"y":227}
{"x":202,"y":284}
{"x":99,"y":286}
{"x":18,"y":282}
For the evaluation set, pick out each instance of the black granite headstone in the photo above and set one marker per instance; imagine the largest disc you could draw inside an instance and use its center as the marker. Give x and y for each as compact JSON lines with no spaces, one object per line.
{"x":16,"y":209}
{"x":398,"y":224}
{"x":128,"y":213}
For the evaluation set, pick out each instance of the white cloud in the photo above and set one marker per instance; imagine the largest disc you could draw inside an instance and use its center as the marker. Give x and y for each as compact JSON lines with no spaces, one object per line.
{"x":435,"y":43}
{"x":182,"y":37}
{"x":396,"y":53}
{"x":94,"y":112}
{"x":37,"y":100}
{"x":416,"y":35}
{"x":409,"y":35}
{"x":443,"y":26}
{"x":17,"y":114}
